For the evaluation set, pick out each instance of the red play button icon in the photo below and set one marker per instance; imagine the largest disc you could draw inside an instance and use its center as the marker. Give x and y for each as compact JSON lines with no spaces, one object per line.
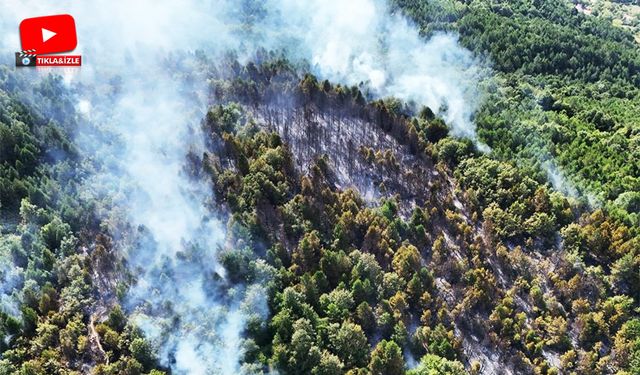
{"x":49,"y":34}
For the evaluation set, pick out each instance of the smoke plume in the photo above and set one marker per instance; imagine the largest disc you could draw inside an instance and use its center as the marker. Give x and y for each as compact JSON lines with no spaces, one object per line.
{"x":360,"y":41}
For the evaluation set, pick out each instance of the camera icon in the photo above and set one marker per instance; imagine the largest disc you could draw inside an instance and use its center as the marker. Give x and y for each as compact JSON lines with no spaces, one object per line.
{"x":25,"y":58}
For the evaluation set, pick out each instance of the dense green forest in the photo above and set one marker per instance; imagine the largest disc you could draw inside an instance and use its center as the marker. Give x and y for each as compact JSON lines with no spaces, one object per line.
{"x":405,"y":279}
{"x":391,"y":246}
{"x":51,"y":245}
{"x":566,"y":91}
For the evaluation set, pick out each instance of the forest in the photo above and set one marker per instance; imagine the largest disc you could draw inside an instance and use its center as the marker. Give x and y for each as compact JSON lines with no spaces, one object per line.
{"x":384,"y":243}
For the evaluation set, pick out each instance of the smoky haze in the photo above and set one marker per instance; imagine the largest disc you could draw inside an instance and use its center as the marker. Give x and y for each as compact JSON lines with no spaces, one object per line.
{"x":361,"y":41}
{"x":133,"y":86}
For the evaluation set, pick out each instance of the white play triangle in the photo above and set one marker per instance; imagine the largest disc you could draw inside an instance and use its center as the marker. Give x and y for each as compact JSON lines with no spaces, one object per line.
{"x":47,"y":34}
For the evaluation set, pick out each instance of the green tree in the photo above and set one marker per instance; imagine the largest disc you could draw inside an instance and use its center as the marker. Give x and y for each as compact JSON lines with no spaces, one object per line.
{"x":142,"y":352}
{"x":431,"y":364}
{"x":386,"y":359}
{"x":307,"y":253}
{"x":329,"y":365}
{"x":406,"y":261}
{"x":349,"y":343}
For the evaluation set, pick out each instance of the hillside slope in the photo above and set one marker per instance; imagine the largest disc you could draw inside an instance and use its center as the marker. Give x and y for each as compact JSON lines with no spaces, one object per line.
{"x":329,"y":231}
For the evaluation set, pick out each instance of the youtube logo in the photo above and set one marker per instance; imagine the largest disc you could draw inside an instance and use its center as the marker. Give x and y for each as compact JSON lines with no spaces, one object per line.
{"x":44,"y":36}
{"x":49,"y":34}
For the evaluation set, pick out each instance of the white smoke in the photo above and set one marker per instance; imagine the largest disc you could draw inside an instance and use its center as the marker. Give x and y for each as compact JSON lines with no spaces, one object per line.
{"x":360,"y":41}
{"x":561,"y":183}
{"x":558,"y":180}
{"x":178,"y":263}
{"x":11,"y":277}
{"x":133,"y":85}
{"x":138,"y":85}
